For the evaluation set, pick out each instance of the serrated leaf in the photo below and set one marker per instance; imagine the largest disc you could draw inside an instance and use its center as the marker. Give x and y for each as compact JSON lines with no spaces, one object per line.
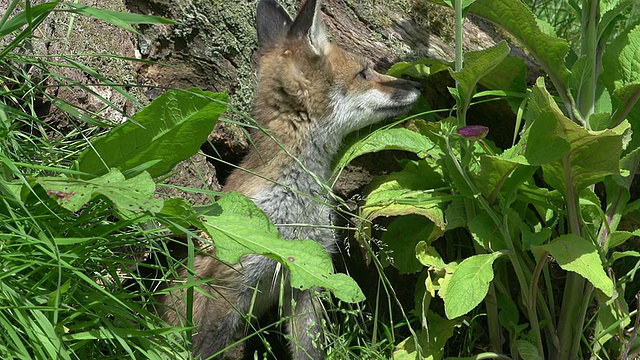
{"x":576,"y":254}
{"x":516,"y":18}
{"x":408,"y":192}
{"x":133,"y":195}
{"x":386,"y":139}
{"x":468,"y":285}
{"x":170,"y":129}
{"x":241,"y":228}
{"x":477,"y":64}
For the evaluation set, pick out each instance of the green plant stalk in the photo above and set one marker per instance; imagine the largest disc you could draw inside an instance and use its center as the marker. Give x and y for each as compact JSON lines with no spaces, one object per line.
{"x":570,"y":324}
{"x":512,"y":253}
{"x":590,"y":50}
{"x":491,"y":303}
{"x":459,"y":21}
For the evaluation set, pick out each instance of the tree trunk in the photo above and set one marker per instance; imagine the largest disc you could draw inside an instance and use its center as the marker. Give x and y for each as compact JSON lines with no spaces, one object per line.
{"x":212,"y":48}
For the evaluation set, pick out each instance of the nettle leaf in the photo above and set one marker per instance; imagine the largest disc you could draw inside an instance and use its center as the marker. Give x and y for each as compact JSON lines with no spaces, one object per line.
{"x":515,"y":17}
{"x":477,"y":64}
{"x":134,"y":195}
{"x":165,"y":132}
{"x":468,"y":285}
{"x":408,"y":192}
{"x":386,"y":139}
{"x":574,"y":253}
{"x":402,"y":236}
{"x":240,"y":228}
{"x":621,"y":74}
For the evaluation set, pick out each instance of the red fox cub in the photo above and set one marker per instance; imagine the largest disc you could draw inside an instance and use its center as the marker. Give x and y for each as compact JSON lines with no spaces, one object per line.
{"x":310,"y":94}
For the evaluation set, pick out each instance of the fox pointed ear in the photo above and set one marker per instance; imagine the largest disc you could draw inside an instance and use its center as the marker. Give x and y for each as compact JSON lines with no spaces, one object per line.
{"x":308,"y":25}
{"x":272,"y":22}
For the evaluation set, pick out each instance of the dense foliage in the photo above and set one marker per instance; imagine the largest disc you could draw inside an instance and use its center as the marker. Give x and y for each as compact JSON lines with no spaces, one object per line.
{"x":526,"y":251}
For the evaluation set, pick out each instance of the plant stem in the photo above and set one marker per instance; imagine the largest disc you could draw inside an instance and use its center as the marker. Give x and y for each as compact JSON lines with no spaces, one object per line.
{"x":458,"y":34}
{"x":503,"y":227}
{"x":590,"y":51}
{"x":570,"y":324}
{"x":459,"y":21}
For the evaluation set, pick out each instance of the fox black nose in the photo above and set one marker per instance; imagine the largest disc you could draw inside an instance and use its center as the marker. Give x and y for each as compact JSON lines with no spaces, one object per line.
{"x":414,"y":84}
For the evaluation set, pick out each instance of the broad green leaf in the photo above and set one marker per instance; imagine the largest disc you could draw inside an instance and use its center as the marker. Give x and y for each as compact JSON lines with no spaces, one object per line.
{"x":468,"y":285}
{"x":494,"y":172}
{"x":509,"y":315}
{"x":477,"y":64}
{"x":534,"y":238}
{"x":574,"y":253}
{"x":544,"y":139}
{"x":455,"y":215}
{"x":621,"y":73}
{"x":241,"y":228}
{"x":429,"y":257}
{"x":418,"y":69}
{"x":117,"y":18}
{"x":618,"y":238}
{"x":527,"y":350}
{"x":408,"y":192}
{"x":402,"y":236}
{"x":618,"y":189}
{"x":486,"y":233}
{"x":611,"y":320}
{"x":431,"y":341}
{"x":570,"y":154}
{"x":170,"y":129}
{"x":386,"y":139}
{"x":515,"y":17}
{"x":623,"y":254}
{"x":180,"y":212}
{"x":510,"y":75}
{"x":134,"y":195}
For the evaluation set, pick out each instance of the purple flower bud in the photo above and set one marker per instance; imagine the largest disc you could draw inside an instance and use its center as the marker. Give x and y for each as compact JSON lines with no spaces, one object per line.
{"x":473,"y":132}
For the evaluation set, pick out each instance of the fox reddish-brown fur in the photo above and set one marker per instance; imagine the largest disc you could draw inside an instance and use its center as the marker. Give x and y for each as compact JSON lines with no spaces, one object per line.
{"x":310,"y":94}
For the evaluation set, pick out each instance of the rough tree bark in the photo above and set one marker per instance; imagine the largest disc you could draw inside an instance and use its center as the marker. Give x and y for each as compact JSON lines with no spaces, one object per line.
{"x":212,"y":48}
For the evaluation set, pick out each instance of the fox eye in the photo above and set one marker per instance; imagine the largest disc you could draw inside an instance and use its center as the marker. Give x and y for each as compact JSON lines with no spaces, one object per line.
{"x":365,"y":74}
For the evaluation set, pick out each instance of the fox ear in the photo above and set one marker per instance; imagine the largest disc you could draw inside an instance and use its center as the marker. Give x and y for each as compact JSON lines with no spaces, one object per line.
{"x":308,"y":25}
{"x":272,"y":22}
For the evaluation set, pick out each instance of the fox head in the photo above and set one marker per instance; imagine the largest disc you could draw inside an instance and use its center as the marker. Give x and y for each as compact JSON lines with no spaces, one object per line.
{"x":311,"y":86}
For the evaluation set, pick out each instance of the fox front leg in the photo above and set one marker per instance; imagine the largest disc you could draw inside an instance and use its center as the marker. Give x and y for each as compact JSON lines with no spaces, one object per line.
{"x":304,"y":326}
